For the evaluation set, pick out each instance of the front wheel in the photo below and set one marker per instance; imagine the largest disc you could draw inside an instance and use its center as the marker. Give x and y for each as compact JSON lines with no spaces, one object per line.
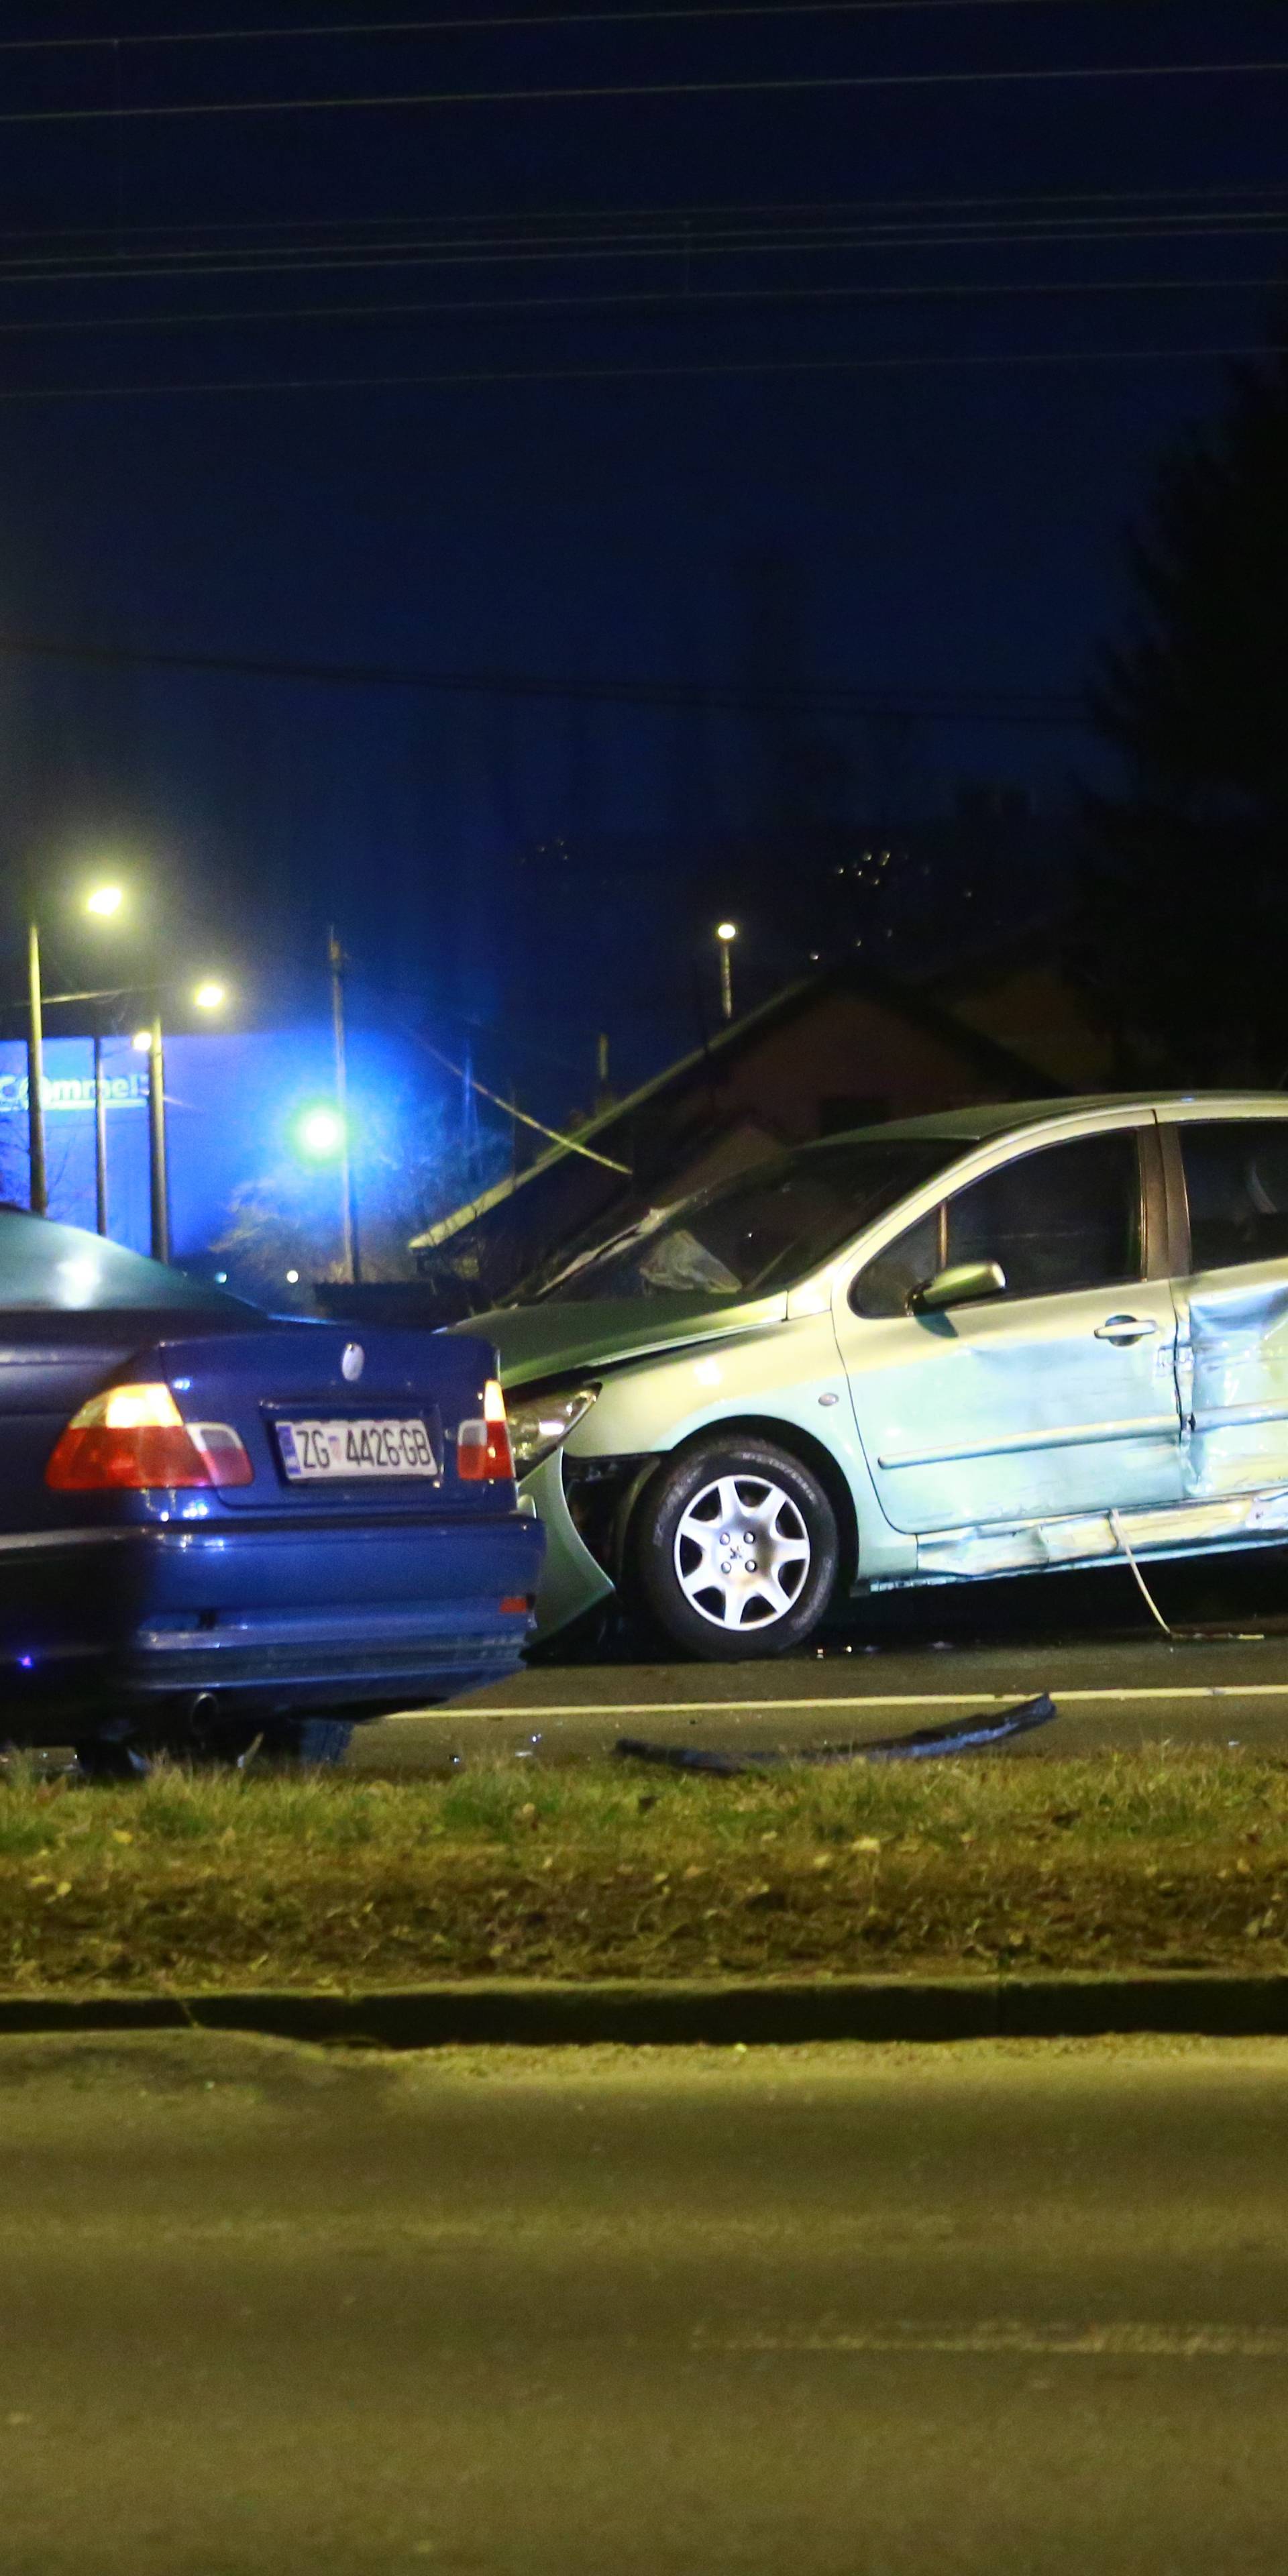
{"x":736,"y":1550}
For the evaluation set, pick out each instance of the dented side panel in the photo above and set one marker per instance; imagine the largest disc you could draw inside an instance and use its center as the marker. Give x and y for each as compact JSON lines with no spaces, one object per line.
{"x":1018,"y":1409}
{"x":1232,"y":1379}
{"x":1031,"y":1547}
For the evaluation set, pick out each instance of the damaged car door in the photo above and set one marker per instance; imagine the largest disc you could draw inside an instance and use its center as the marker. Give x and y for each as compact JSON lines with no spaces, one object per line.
{"x":1053,"y":1393}
{"x":1231,"y":1175}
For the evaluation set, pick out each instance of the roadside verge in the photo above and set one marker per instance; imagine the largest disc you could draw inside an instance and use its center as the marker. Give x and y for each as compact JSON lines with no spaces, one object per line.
{"x":983,"y":1876}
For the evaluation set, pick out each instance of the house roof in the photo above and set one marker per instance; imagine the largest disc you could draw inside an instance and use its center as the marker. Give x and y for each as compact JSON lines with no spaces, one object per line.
{"x":995,"y":1063}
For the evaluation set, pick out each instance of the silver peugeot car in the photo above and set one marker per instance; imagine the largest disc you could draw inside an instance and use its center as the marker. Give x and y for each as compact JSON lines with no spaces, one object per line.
{"x":1003,"y":1339}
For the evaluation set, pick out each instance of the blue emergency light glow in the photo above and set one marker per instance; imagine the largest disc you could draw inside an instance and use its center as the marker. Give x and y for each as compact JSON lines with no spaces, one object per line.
{"x":319,"y":1134}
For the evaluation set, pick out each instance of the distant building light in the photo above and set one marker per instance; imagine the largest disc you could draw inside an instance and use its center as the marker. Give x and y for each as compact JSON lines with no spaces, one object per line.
{"x":292,"y":1279}
{"x":142,"y":1041}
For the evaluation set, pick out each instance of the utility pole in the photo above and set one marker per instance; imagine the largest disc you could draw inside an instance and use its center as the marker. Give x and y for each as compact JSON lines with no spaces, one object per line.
{"x":38,"y":1184}
{"x":352,"y":1250}
{"x":100,"y":1140}
{"x":157,"y":1175}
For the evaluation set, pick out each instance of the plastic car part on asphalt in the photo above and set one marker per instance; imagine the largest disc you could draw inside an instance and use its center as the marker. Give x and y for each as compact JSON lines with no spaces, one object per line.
{"x":961,"y":1735}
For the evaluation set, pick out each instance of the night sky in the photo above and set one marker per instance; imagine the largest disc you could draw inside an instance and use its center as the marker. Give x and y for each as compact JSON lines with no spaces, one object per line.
{"x":743,"y":391}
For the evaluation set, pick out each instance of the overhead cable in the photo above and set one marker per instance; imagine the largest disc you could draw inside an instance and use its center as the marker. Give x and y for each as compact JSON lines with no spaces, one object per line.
{"x":723,"y":208}
{"x":510,"y":24}
{"x":666,"y":302}
{"x":666,"y":696}
{"x":452,"y":377}
{"x":805,"y":84}
{"x":185,"y":269}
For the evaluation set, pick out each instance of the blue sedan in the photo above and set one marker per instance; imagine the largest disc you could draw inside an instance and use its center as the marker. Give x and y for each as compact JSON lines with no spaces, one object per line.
{"x":218,"y":1526}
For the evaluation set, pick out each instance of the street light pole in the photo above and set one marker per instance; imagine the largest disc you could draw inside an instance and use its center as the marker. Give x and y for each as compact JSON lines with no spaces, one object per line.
{"x":38,"y":1184}
{"x":103,"y":900}
{"x":726,"y":933}
{"x":100,"y":1141}
{"x":349,"y":1216}
{"x":160,"y":1194}
{"x":151,"y":1042}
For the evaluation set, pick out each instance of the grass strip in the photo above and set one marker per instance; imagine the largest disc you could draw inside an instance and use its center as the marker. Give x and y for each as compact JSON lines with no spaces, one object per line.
{"x":1164,"y":1859}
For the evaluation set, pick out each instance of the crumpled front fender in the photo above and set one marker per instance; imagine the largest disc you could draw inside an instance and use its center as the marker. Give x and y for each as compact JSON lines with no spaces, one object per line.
{"x":572,"y":1581}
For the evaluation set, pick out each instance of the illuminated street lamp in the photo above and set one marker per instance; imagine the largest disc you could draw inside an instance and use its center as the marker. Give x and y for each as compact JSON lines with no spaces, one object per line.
{"x":726,"y":933}
{"x":102,"y":901}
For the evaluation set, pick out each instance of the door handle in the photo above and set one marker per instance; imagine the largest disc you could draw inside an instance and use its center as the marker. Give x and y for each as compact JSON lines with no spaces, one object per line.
{"x":1126,"y":1328}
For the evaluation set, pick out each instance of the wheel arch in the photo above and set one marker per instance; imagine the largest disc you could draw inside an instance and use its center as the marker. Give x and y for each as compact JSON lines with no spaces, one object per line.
{"x":801,"y":1445}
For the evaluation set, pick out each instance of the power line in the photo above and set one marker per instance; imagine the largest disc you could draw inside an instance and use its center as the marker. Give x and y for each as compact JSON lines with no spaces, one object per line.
{"x":306,"y":260}
{"x":462,"y":376}
{"x":192,"y":267}
{"x":800,"y":85}
{"x":482,"y":26}
{"x":673,"y":300}
{"x":666,"y":696}
{"x":641,"y":233}
{"x":684,"y":214}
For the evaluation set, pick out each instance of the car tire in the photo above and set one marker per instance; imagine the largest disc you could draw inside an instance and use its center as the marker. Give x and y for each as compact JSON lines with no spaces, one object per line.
{"x":735,"y":1550}
{"x":311,"y":1740}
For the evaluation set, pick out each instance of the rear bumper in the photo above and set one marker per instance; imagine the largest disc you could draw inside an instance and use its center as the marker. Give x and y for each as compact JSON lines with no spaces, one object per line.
{"x":267,"y":1617}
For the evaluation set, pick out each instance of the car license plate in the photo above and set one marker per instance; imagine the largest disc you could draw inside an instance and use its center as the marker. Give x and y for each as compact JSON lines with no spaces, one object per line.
{"x":323,"y":1452}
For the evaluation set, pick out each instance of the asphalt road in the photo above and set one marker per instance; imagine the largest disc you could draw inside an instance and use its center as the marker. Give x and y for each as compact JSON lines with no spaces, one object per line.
{"x":838,"y":2312}
{"x":911,"y":1662}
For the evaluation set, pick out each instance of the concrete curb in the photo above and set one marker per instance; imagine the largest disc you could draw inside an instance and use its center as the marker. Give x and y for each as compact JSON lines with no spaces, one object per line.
{"x":542,"y":2014}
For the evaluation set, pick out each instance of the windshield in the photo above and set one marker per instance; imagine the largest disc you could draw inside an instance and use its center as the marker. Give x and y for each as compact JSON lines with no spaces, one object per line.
{"x":764,"y":1231}
{"x":42,"y":1264}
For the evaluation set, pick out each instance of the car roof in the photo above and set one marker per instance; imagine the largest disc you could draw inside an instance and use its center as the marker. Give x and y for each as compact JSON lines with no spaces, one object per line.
{"x":989,"y":1118}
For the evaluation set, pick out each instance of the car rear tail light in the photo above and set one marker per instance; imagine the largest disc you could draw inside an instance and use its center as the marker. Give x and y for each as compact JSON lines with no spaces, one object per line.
{"x":483,"y":1446}
{"x":135,"y":1437}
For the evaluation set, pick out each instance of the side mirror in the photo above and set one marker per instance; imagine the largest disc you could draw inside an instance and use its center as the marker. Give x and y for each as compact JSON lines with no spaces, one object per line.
{"x":960,"y":1286}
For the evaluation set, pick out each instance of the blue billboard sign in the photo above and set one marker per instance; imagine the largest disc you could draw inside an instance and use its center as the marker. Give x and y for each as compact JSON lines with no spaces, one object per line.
{"x":233,"y":1104}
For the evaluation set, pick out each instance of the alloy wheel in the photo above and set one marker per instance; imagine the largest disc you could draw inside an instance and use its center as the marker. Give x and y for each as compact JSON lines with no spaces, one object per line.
{"x":742,"y":1552}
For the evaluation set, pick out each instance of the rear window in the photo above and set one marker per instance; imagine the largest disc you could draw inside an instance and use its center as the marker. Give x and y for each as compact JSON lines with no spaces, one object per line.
{"x":60,"y":1267}
{"x":1236,"y":1180}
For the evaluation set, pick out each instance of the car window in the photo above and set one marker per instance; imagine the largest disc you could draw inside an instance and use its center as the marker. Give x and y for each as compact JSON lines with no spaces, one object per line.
{"x":884,"y":1287}
{"x":1236,"y":1181}
{"x":1068,"y":1217}
{"x":48,"y":1265}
